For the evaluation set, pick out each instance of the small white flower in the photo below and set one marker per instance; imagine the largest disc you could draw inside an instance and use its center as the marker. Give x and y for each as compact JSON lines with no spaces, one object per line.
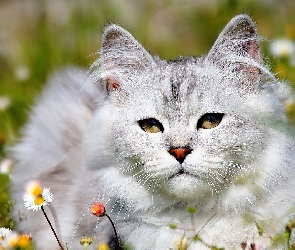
{"x":36,"y":196}
{"x":282,"y":47}
{"x":12,"y":239}
{"x":5,"y":102}
{"x":6,"y":166}
{"x":4,"y":232}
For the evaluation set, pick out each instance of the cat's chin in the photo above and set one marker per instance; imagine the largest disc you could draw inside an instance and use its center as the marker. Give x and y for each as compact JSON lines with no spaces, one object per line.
{"x":188,"y":187}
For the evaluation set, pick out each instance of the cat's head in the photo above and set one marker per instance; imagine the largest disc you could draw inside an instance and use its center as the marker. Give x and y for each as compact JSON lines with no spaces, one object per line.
{"x":190,"y":127}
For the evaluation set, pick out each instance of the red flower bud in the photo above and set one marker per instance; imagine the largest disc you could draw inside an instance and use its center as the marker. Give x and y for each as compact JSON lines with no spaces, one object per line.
{"x":98,"y":209}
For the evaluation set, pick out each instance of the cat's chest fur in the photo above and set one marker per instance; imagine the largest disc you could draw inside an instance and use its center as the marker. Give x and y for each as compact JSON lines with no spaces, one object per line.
{"x":187,"y":154}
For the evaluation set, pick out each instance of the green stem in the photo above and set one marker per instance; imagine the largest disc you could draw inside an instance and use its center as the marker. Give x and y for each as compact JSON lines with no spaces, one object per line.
{"x":52,"y":229}
{"x":116,"y":235}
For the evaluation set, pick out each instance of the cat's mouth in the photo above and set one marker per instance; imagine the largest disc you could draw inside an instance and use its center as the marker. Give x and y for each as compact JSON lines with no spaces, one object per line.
{"x":179,"y":173}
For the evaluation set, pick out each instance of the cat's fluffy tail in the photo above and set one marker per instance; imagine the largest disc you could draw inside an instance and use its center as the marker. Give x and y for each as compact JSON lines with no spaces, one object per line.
{"x":49,"y":148}
{"x":56,"y":124}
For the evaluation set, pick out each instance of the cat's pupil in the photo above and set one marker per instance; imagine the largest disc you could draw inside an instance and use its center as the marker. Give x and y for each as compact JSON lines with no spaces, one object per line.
{"x":209,"y":120}
{"x":151,"y":125}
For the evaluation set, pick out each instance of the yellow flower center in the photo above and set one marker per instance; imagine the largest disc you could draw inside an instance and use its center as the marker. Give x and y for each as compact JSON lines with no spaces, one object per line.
{"x":39,"y":200}
{"x":103,"y":246}
{"x":34,"y":188}
{"x":24,"y":241}
{"x":12,"y":242}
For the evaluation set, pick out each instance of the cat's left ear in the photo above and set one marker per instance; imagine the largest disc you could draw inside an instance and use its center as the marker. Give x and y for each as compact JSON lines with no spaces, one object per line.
{"x":239,"y":39}
{"x":121,"y":54}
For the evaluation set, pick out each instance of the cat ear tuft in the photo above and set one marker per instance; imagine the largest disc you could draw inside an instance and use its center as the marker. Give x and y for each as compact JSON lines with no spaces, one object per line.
{"x":238,"y":38}
{"x":121,"y":51}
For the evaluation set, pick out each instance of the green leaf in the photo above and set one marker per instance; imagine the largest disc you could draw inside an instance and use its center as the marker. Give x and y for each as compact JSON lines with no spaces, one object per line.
{"x":260,"y":229}
{"x":192,"y":210}
{"x":197,"y":238}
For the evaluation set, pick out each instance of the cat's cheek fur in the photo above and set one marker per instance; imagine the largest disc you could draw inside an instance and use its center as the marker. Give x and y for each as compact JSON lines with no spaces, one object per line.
{"x":98,"y":142}
{"x":162,"y":166}
{"x":131,"y":142}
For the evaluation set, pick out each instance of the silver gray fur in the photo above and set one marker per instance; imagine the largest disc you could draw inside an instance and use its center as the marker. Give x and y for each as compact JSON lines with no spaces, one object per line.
{"x":83,"y":142}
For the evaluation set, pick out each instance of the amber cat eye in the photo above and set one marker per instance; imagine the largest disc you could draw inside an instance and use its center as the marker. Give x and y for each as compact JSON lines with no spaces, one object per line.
{"x":151,"y":125}
{"x":209,"y":120}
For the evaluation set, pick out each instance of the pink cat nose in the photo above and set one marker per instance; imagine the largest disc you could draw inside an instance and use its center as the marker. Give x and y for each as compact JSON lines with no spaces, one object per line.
{"x":180,"y":153}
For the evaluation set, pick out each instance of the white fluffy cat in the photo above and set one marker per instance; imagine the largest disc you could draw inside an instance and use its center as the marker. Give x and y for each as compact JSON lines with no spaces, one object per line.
{"x":152,"y":138}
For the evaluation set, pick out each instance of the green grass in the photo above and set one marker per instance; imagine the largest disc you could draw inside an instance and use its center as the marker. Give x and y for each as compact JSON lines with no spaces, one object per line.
{"x":39,"y":43}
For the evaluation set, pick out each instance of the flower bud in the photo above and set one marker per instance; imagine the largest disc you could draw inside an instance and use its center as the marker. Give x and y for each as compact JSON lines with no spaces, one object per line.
{"x":98,"y":209}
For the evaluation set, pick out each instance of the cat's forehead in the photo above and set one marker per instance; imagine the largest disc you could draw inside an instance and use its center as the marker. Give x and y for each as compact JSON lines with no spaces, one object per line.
{"x":179,"y":89}
{"x":187,"y":78}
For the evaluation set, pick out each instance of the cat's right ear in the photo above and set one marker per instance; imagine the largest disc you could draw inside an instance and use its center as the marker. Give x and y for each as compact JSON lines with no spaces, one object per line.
{"x":121,"y":54}
{"x":239,"y":38}
{"x":237,"y":49}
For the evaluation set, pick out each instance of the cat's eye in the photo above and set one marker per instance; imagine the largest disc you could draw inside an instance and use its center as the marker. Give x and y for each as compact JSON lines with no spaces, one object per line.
{"x":151,"y":125}
{"x":209,"y":120}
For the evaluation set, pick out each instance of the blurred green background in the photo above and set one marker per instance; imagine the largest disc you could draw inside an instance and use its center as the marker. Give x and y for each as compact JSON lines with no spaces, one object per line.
{"x":39,"y":36}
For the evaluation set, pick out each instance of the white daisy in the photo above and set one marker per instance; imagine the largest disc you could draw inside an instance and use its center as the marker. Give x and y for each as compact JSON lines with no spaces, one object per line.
{"x":282,"y":47}
{"x":36,"y":196}
{"x":12,"y":239}
{"x":4,"y":232}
